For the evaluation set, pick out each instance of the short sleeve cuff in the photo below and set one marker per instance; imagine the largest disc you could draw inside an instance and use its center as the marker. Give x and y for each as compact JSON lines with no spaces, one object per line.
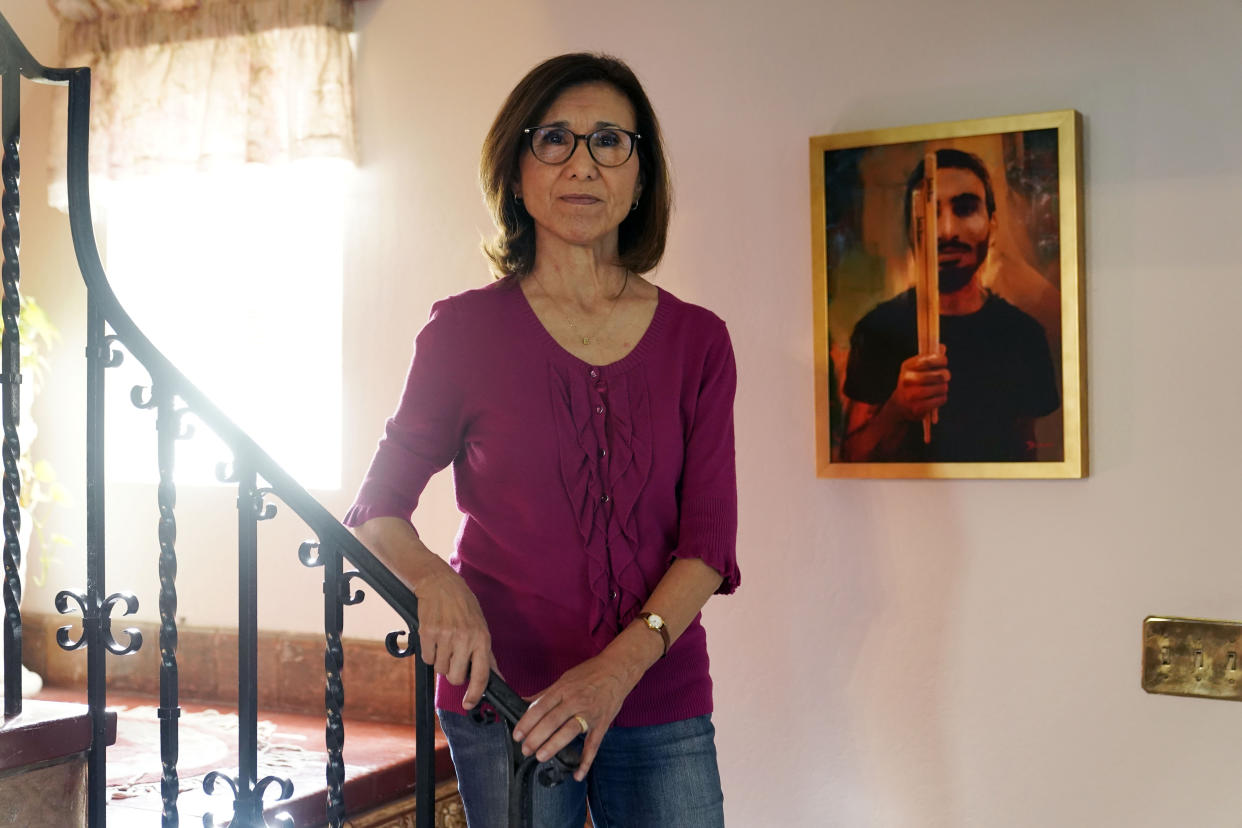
{"x":361,"y":512}
{"x":709,"y":533}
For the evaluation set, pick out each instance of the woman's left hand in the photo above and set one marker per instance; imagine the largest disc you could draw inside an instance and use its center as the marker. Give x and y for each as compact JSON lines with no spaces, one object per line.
{"x":594,"y":690}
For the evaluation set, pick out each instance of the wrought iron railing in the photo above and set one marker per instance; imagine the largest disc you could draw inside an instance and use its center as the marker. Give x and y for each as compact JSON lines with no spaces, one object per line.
{"x":109,"y":329}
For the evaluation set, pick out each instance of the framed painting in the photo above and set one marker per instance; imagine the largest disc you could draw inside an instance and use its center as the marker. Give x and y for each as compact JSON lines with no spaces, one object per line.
{"x":948,"y":300}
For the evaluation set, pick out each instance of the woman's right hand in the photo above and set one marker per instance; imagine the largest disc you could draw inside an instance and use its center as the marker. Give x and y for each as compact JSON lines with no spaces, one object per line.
{"x":452,"y":632}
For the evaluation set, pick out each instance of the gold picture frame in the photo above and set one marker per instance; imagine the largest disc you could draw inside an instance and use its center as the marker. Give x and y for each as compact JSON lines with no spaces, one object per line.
{"x":1009,"y":252}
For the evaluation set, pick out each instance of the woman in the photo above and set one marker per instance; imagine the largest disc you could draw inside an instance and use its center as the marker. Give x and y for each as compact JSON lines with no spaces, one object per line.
{"x":588,"y":416}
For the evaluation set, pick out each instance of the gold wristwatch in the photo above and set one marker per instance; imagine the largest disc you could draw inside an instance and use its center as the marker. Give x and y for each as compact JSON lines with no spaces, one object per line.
{"x":656,"y":624}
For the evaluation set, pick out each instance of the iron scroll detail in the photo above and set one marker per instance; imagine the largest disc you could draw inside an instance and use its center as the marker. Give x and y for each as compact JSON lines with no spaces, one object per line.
{"x":98,"y":615}
{"x":248,"y":802}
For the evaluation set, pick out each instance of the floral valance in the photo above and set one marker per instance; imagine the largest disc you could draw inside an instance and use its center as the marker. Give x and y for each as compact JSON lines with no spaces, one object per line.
{"x":197,"y":84}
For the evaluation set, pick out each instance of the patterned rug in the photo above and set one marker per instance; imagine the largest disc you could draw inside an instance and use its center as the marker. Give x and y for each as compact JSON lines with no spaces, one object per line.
{"x":207,"y":741}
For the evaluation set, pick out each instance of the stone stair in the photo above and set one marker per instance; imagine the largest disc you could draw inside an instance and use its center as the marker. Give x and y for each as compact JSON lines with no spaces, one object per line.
{"x":43,"y":764}
{"x":379,"y":761}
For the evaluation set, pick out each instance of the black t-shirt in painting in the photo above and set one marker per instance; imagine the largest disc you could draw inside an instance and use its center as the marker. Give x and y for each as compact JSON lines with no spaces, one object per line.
{"x":1001,"y":374}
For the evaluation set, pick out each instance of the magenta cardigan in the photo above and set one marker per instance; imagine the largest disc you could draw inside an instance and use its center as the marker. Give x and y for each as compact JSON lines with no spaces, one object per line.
{"x":579,"y":483}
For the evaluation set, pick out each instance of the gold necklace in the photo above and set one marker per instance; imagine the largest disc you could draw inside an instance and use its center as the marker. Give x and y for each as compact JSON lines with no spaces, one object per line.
{"x":587,"y":339}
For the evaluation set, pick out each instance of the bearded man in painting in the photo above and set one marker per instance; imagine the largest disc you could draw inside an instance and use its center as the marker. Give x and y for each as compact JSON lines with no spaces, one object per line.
{"x":994,"y":374}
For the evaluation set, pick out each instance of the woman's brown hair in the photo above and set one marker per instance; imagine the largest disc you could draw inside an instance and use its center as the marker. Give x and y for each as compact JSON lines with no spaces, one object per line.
{"x":642,"y":234}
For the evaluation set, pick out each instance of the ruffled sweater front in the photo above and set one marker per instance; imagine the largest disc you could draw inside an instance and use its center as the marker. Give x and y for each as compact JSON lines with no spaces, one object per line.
{"x":579,"y":483}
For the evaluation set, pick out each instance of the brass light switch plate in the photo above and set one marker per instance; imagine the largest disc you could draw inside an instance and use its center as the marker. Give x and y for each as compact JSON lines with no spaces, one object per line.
{"x":1192,"y":657}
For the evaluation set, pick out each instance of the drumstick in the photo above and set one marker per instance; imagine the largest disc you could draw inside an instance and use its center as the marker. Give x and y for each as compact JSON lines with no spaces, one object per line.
{"x":918,"y":216}
{"x":927,"y":270}
{"x":931,"y":243}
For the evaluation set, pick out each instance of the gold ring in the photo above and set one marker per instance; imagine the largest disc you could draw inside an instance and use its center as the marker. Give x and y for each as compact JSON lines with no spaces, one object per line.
{"x":582,"y":723}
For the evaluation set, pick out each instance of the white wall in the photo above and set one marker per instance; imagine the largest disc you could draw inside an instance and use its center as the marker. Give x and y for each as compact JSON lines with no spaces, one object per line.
{"x":901,"y":653}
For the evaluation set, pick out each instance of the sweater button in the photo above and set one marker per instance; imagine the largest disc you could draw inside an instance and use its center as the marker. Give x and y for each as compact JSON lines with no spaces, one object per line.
{"x":612,"y":595}
{"x":603,"y":452}
{"x":604,"y":498}
{"x":599,"y":409}
{"x":593,"y":373}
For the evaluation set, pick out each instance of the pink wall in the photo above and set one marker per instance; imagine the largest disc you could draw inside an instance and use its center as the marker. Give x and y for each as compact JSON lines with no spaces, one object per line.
{"x":902,"y":653}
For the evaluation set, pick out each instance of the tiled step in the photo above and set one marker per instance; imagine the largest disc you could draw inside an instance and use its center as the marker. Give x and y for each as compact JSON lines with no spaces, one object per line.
{"x":43,"y":764}
{"x":379,"y":764}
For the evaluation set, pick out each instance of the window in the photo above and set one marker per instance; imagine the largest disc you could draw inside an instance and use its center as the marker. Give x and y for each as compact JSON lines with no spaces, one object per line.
{"x":237,"y":278}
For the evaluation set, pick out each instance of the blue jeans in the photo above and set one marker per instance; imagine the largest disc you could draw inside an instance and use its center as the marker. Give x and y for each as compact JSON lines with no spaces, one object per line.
{"x":660,"y":776}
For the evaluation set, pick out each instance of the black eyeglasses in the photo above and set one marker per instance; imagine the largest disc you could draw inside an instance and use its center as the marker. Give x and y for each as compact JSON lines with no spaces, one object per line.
{"x":610,"y":146}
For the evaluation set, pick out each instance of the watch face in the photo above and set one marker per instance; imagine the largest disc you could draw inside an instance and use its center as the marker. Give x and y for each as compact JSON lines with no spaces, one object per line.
{"x":654,"y":621}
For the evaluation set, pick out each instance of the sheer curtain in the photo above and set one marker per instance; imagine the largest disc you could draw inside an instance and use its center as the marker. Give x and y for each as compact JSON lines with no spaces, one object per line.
{"x":200,"y":85}
{"x":196,"y":105}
